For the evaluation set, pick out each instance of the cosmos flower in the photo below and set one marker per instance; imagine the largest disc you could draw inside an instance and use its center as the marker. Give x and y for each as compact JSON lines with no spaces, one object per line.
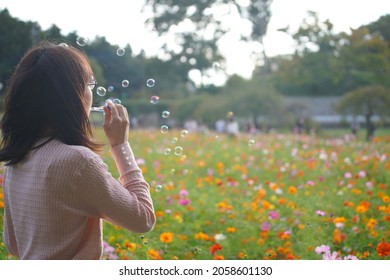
{"x":320,"y":213}
{"x":265,"y":226}
{"x":330,"y":256}
{"x":322,"y":249}
{"x":273,"y":215}
{"x":166,"y":237}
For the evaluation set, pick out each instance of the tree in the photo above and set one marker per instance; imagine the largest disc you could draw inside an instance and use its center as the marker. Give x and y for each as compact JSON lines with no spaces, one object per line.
{"x":197,"y":28}
{"x":367,"y":101}
{"x":381,"y":26}
{"x":259,"y":14}
{"x":314,"y":69}
{"x":15,"y":39}
{"x":365,"y":58}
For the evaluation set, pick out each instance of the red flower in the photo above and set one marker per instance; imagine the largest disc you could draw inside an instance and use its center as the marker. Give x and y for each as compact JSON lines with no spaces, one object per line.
{"x":383,"y":249}
{"x":216,"y":247}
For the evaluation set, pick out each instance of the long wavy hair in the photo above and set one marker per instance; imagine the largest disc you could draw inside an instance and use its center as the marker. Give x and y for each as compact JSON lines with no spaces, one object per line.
{"x":47,"y":97}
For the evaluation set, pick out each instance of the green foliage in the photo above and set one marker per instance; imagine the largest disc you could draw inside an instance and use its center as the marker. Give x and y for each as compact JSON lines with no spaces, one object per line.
{"x":327,"y":64}
{"x":15,"y":39}
{"x":367,"y":101}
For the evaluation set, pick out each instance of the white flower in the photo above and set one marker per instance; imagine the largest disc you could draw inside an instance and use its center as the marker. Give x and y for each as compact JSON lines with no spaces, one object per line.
{"x":219,"y":236}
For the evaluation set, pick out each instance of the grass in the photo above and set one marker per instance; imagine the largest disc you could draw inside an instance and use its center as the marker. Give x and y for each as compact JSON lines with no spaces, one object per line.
{"x":274,"y":196}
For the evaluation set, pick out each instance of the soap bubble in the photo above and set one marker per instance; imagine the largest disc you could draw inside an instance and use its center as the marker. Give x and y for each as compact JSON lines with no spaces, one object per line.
{"x":165,"y":114}
{"x":120,"y":52}
{"x":150,"y":82}
{"x":101,"y":91}
{"x":116,"y":101}
{"x":167,"y":151}
{"x":125,"y":83}
{"x":251,"y":142}
{"x":178,"y":150}
{"x":216,"y":66}
{"x":164,"y":129}
{"x":154,"y":99}
{"x":184,"y":133}
{"x":230,"y":114}
{"x":158,"y":188}
{"x":110,"y":88}
{"x":65,"y":45}
{"x":81,"y":41}
{"x":174,"y":140}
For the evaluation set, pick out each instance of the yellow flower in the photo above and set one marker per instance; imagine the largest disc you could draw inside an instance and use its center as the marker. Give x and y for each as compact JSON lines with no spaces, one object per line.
{"x":202,"y":236}
{"x":371,"y":224}
{"x":339,"y":220}
{"x":166,"y":237}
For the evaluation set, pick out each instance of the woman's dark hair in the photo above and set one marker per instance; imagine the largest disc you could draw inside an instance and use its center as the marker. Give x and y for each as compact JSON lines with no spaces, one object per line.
{"x":46,"y":95}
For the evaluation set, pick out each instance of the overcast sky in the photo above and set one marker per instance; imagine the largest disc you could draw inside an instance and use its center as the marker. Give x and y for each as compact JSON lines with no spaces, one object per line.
{"x":121,"y":22}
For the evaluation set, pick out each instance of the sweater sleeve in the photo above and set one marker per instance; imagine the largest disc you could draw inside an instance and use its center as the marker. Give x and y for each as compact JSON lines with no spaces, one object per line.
{"x":128,"y":203}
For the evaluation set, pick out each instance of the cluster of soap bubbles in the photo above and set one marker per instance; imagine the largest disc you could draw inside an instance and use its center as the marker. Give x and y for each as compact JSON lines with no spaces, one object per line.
{"x":154,"y":99}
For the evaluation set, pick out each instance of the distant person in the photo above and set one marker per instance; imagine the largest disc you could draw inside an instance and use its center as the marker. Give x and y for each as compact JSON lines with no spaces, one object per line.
{"x":232,"y":127}
{"x":56,"y":188}
{"x":251,"y":127}
{"x":220,"y":126}
{"x":299,"y":126}
{"x":354,"y":128}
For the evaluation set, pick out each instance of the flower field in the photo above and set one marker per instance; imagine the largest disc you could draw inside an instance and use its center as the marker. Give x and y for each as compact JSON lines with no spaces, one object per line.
{"x":271,"y":196}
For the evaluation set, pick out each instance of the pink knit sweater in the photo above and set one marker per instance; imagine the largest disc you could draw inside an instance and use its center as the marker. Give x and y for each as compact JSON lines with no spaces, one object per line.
{"x":54,"y":201}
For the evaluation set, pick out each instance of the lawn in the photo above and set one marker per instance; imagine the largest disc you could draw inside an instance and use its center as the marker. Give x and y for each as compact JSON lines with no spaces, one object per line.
{"x":266,"y":196}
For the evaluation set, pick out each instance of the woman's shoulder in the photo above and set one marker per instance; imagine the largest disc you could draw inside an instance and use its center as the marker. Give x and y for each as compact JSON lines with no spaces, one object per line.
{"x":77,"y":153}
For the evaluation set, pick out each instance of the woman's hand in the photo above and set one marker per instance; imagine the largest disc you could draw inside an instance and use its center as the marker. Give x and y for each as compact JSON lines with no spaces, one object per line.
{"x":116,"y":123}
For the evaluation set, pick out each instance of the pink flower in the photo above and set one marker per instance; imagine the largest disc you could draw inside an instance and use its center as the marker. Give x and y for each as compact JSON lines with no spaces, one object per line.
{"x":273,"y":215}
{"x":184,"y":201}
{"x":310,"y":183}
{"x":362,"y":174}
{"x":265,"y":226}
{"x":320,"y":213}
{"x":322,"y":249}
{"x":330,"y":256}
{"x":183,"y":193}
{"x":348,"y":175}
{"x":351,"y":257}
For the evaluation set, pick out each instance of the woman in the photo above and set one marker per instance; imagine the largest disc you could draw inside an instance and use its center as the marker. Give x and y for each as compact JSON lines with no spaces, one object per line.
{"x":56,"y":188}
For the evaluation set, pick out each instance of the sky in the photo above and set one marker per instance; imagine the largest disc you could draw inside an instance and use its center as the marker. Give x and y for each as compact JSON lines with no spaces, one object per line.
{"x":121,"y":23}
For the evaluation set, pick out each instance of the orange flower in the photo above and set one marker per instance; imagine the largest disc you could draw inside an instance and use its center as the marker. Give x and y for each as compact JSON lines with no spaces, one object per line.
{"x":338,"y":236}
{"x":371,"y":224}
{"x":159,"y":214}
{"x":166,"y":237}
{"x":154,"y":254}
{"x":383,"y":249}
{"x":130,"y":246}
{"x":241,"y":255}
{"x":219,"y":257}
{"x":290,"y":257}
{"x":282,"y":201}
{"x":231,"y":229}
{"x":292,"y":190}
